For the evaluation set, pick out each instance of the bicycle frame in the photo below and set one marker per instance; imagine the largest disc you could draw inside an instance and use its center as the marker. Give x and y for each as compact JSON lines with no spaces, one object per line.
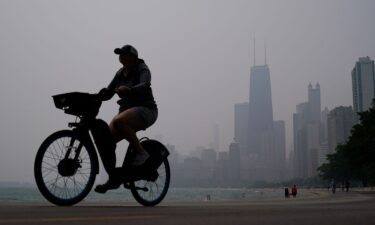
{"x":82,"y":129}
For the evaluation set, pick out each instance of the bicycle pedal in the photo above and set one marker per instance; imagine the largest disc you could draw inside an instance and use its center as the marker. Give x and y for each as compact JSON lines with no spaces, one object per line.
{"x":142,"y":189}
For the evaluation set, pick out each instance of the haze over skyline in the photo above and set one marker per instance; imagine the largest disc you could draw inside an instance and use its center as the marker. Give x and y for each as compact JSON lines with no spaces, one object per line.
{"x":199,"y":53}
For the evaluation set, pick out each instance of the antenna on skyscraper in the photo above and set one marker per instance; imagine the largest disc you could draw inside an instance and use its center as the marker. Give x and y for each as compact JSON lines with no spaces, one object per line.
{"x":254,"y":51}
{"x":265,"y":52}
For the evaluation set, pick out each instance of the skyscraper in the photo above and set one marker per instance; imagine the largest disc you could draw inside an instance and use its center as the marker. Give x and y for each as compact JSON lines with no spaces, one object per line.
{"x":241,"y":125}
{"x":363,"y":84}
{"x":261,"y":140}
{"x":208,"y":159}
{"x":260,"y":107}
{"x":314,"y":103}
{"x":307,"y":134}
{"x":216,"y":137}
{"x":280,"y":149}
{"x":300,"y":157}
{"x":340,"y":122}
{"x":234,"y":162}
{"x":324,"y":126}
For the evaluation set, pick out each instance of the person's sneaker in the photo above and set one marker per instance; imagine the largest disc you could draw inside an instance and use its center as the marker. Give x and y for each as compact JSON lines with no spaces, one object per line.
{"x":109,"y":185}
{"x":141,"y":158}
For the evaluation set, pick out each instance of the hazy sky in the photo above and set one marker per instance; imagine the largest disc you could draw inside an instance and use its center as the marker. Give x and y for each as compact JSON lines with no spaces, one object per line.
{"x":199,"y":52}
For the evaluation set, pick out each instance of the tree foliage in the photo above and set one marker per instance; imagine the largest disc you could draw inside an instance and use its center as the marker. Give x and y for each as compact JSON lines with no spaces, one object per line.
{"x":354,"y":160}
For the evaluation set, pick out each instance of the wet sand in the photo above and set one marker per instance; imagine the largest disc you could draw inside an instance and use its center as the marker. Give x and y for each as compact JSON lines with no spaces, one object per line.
{"x":310,"y":207}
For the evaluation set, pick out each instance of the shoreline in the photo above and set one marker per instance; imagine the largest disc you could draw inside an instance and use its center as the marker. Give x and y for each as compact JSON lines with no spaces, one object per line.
{"x":312,"y":195}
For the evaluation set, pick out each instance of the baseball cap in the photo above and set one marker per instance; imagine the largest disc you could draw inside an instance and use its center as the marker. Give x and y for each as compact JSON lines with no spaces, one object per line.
{"x":126,"y":49}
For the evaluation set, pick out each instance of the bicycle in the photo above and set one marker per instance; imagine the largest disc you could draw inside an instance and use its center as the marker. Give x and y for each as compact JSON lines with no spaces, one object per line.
{"x":67,"y":162}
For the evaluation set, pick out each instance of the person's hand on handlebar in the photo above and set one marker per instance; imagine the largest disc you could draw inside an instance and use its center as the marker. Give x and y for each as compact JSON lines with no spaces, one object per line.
{"x":122,"y":90}
{"x":105,"y":94}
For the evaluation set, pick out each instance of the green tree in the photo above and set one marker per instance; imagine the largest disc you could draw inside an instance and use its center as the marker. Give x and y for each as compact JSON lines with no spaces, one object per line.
{"x":356,"y":158}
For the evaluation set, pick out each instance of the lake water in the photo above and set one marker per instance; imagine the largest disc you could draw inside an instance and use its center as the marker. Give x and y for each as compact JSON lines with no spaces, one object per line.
{"x":31,"y":194}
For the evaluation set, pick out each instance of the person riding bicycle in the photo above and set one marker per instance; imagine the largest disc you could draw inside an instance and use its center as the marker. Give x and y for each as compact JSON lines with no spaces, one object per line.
{"x":138,"y":110}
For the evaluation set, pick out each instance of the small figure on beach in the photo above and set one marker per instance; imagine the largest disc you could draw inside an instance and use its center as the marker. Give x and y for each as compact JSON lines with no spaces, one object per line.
{"x":347,"y":185}
{"x":343,"y":186}
{"x":294,"y":190}
{"x":286,"y":190}
{"x":333,"y":186}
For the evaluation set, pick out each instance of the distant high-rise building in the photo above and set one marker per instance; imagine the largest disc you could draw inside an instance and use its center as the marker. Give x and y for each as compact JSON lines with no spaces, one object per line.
{"x":260,"y":107}
{"x":280,"y":149}
{"x":300,"y":119}
{"x":340,"y":122}
{"x":208,"y":158}
{"x":313,"y":143}
{"x":363,"y":84}
{"x":216,"y":137}
{"x":221,"y":169}
{"x":314,"y":103}
{"x":324,"y":126}
{"x":279,"y":128}
{"x":208,"y":163}
{"x":322,"y":153}
{"x":173,"y":157}
{"x":234,"y":162}
{"x":307,"y":134}
{"x":241,"y":125}
{"x":192,"y":168}
{"x":256,"y":134}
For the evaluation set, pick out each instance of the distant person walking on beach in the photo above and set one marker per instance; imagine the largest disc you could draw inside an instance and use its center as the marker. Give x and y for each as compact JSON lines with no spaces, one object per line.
{"x":286,"y":190}
{"x":333,"y":186}
{"x":294,"y":191}
{"x":347,"y":185}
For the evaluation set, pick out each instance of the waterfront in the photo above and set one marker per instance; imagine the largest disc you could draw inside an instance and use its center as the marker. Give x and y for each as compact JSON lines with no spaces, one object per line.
{"x":342,"y":208}
{"x":31,"y":194}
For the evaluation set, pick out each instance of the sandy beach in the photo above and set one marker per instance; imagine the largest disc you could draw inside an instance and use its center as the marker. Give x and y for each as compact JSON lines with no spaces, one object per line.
{"x":313,"y":206}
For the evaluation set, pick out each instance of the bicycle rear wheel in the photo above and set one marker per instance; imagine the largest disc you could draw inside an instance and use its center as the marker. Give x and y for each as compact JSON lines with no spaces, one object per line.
{"x":64,"y":180}
{"x":152,"y":191}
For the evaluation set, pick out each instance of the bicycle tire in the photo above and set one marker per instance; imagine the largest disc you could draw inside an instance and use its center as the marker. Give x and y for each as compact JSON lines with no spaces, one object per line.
{"x":140,"y":195}
{"x":49,"y":155}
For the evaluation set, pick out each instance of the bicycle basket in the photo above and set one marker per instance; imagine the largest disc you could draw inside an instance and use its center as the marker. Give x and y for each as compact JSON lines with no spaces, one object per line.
{"x":78,"y":104}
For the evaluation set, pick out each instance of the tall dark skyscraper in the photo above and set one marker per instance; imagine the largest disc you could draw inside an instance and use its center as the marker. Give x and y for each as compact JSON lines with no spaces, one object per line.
{"x":261,"y":140}
{"x":260,"y":107}
{"x":363,"y":84}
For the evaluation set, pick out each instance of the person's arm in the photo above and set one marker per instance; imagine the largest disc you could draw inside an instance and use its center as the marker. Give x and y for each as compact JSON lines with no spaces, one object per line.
{"x":144,"y":81}
{"x":108,"y":92}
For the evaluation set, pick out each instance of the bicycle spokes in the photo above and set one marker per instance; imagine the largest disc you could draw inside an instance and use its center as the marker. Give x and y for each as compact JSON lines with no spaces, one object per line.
{"x":66,"y":167}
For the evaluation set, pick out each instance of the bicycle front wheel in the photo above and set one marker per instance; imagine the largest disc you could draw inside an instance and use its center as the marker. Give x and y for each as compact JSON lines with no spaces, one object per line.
{"x":65,"y":168}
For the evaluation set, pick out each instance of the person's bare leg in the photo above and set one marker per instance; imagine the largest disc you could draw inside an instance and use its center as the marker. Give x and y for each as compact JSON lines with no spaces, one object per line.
{"x":125,"y":125}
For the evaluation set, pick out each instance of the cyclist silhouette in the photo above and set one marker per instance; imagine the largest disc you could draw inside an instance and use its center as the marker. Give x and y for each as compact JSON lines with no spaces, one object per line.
{"x":138,"y":110}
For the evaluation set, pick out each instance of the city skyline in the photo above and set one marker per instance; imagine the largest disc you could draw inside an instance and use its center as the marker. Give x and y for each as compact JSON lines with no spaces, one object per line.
{"x":317,"y":132}
{"x":199,"y":61}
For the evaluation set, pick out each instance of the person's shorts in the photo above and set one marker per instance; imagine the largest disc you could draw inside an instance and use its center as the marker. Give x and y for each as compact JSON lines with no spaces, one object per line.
{"x":147,"y":115}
